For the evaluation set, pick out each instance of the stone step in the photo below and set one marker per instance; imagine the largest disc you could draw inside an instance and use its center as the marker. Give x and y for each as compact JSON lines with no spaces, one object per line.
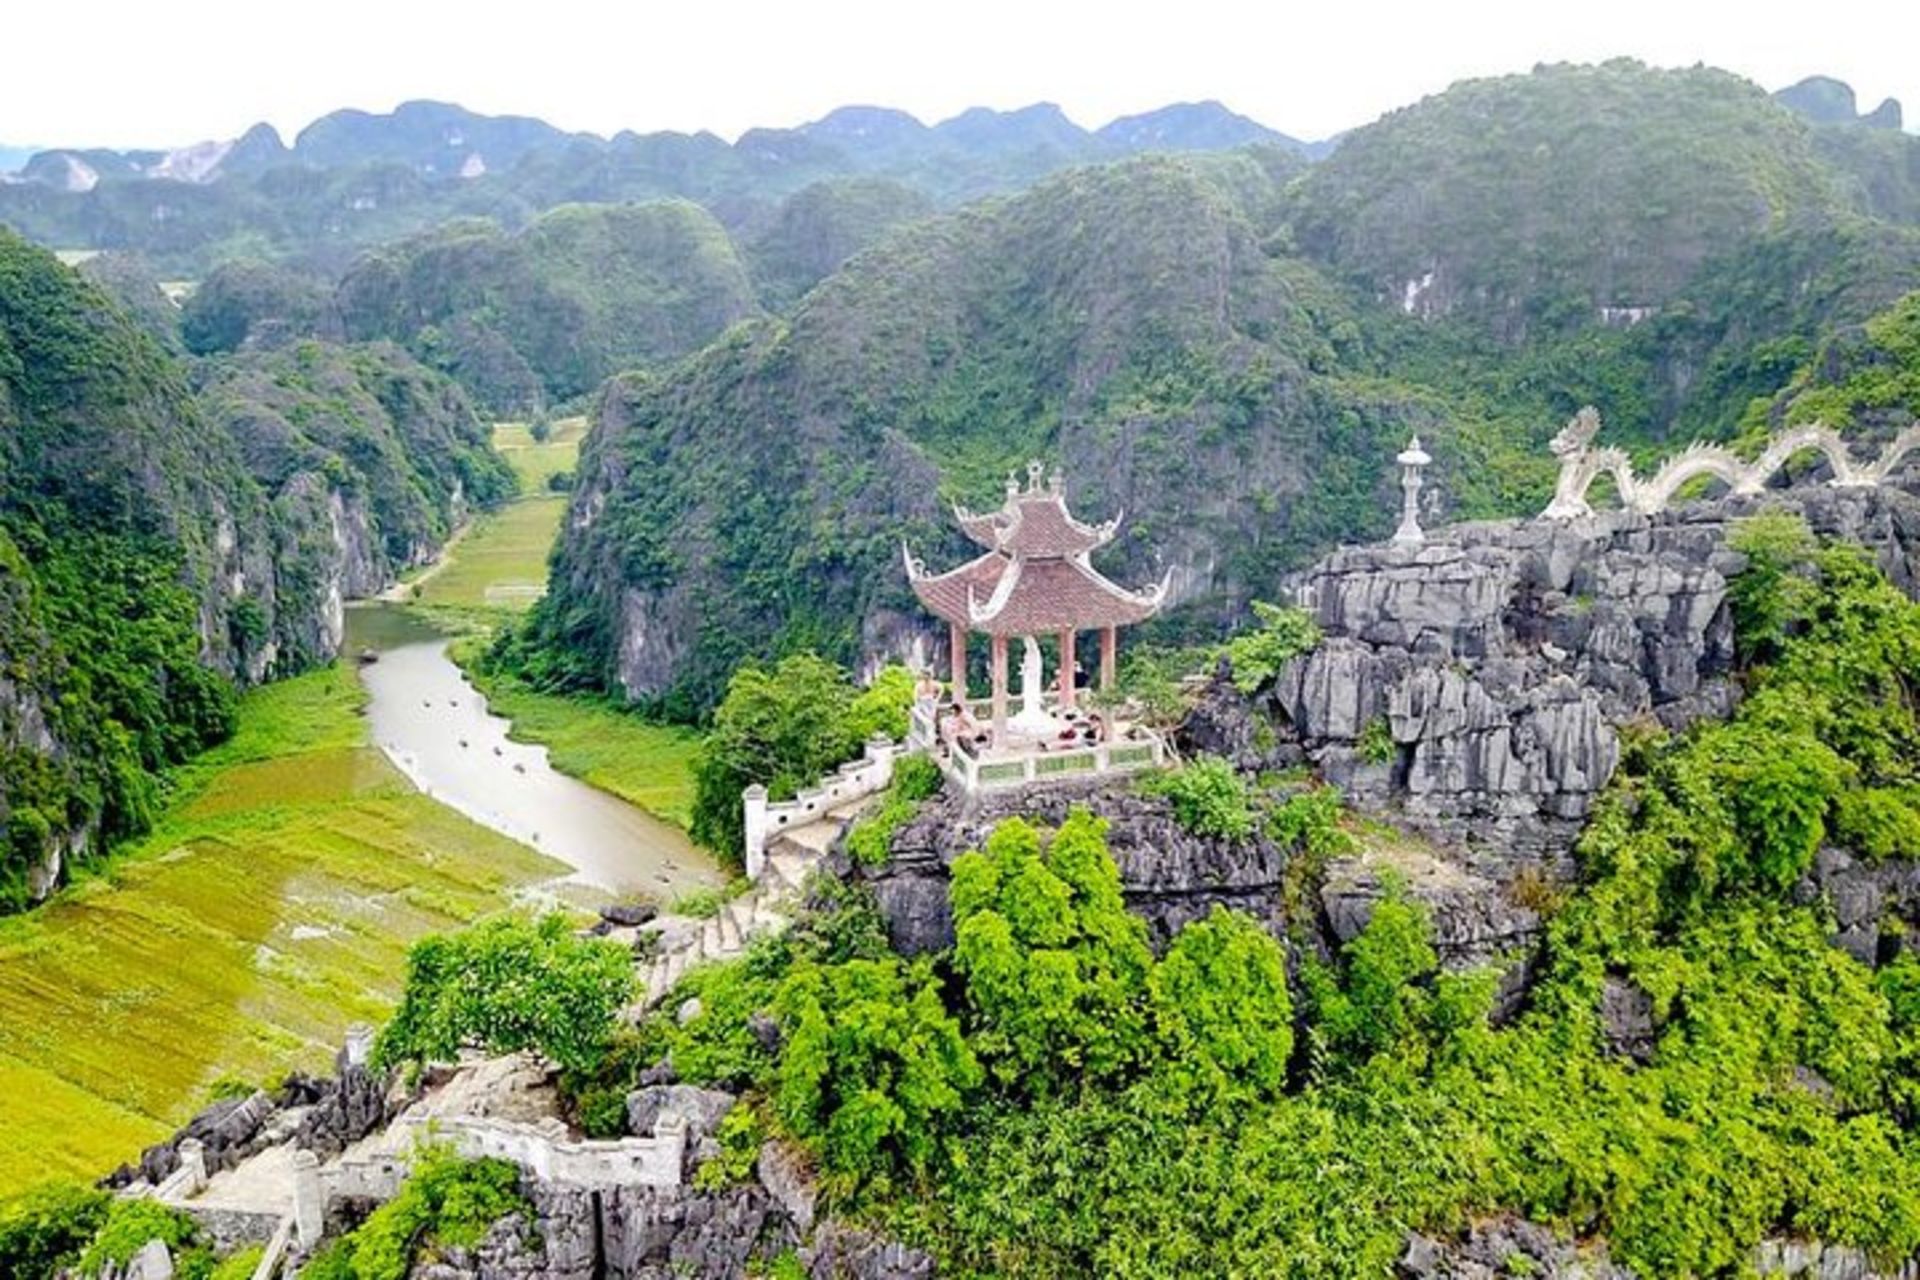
{"x":731,"y":938}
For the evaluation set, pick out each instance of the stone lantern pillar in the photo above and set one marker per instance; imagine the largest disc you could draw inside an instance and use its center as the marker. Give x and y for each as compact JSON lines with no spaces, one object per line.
{"x":1413,"y":459}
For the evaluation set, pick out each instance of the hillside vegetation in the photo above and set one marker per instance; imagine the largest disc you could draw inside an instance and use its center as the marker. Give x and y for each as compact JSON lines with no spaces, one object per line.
{"x":160,"y":549}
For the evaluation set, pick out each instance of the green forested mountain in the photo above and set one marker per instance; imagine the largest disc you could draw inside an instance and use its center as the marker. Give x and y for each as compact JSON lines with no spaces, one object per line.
{"x":1535,"y":201}
{"x":160,"y":546}
{"x":821,"y":226}
{"x":545,"y":314}
{"x":1226,"y":349}
{"x":552,"y":310}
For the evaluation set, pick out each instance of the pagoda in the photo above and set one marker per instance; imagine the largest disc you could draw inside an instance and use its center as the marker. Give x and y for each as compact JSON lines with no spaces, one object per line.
{"x":1032,"y":579}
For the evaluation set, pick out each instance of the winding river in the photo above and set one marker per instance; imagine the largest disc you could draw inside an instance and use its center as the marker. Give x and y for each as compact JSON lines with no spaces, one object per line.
{"x":435,"y":726}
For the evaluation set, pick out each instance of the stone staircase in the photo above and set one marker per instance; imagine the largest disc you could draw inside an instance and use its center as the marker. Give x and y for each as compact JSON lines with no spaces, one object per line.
{"x":765,"y":909}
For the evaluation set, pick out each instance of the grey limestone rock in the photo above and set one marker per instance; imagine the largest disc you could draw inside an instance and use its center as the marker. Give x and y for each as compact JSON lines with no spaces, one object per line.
{"x":1503,"y":660}
{"x":1506,"y":1247}
{"x":787,"y":1175}
{"x":701,"y":1108}
{"x":840,"y":1252}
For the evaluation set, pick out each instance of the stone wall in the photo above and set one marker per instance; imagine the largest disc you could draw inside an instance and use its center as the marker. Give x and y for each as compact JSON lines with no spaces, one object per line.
{"x":765,"y":819}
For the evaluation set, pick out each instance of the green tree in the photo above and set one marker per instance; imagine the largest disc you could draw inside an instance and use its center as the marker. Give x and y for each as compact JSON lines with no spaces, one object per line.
{"x":45,"y":1229}
{"x":509,"y":984}
{"x":1221,"y":1009}
{"x":872,"y":1067}
{"x":1055,"y":965}
{"x":782,"y":729}
{"x":1255,"y":655}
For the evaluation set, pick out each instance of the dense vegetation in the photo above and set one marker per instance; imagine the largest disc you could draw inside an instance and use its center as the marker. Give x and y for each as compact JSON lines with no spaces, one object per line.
{"x":785,"y":728}
{"x":548,"y":313}
{"x":1208,"y":1131}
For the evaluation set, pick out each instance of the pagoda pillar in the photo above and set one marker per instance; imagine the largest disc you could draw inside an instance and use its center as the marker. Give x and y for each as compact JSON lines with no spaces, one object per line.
{"x":999,"y":690}
{"x":1109,"y":653}
{"x":957,"y":646}
{"x":1066,"y":670}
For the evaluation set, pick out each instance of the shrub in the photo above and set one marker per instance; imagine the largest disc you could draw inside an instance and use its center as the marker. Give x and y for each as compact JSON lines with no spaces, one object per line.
{"x":46,"y":1228}
{"x":128,"y":1227}
{"x":1054,"y":964}
{"x":1255,"y":656}
{"x":505,"y":985}
{"x":1311,"y":819}
{"x":1209,"y":798}
{"x":1222,"y":1011}
{"x":1775,"y":591}
{"x":872,"y":1066}
{"x":1879,"y":822}
{"x":446,"y":1201}
{"x":1376,"y":741}
{"x":915,"y":779}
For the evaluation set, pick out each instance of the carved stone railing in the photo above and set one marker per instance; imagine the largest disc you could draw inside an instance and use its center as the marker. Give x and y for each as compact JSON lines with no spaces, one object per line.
{"x":1581,"y":465}
{"x":764,"y":819}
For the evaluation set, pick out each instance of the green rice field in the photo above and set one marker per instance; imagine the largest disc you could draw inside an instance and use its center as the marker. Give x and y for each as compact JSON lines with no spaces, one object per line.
{"x":272,"y":908}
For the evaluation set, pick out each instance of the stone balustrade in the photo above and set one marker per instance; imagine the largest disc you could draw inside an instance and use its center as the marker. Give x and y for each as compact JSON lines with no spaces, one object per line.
{"x":766,"y":818}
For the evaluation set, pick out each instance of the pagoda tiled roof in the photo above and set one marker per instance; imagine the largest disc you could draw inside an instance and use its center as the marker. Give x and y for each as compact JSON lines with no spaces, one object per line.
{"x":1035,"y":522}
{"x":1040,"y":596}
{"x":1035,"y":577}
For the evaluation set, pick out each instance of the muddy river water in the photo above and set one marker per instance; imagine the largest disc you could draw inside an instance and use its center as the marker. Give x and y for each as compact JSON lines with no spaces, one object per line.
{"x":435,"y":726}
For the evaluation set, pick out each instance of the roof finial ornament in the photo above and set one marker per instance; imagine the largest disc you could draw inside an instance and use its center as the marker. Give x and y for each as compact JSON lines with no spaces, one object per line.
{"x":1013,"y":482}
{"x":1056,"y":481}
{"x":1035,"y":472}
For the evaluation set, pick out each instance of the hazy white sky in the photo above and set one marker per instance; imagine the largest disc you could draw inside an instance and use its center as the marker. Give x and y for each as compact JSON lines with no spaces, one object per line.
{"x":147,"y":73}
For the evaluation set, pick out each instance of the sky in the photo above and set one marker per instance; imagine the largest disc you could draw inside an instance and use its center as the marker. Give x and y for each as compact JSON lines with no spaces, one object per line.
{"x":144,"y":74}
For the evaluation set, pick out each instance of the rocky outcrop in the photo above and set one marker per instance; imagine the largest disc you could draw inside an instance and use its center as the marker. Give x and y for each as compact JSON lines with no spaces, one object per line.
{"x":346,"y":1109}
{"x":1865,"y":899}
{"x":840,"y":1252}
{"x":228,"y":1132}
{"x":1477,"y":688}
{"x":1506,"y":1247}
{"x":622,"y":1233}
{"x":1169,"y":876}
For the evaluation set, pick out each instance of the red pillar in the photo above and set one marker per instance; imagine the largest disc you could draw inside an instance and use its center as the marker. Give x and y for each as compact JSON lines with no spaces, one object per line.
{"x":957,"y":644}
{"x":999,"y":690}
{"x":1109,"y":650}
{"x":1066,"y":670}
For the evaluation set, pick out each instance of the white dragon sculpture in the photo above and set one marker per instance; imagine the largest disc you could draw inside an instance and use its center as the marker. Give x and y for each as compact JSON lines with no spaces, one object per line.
{"x":1581,"y":465}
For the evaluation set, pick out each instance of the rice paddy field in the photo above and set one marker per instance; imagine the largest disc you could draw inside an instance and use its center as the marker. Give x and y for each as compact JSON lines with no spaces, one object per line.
{"x":500,"y":562}
{"x":272,"y":908}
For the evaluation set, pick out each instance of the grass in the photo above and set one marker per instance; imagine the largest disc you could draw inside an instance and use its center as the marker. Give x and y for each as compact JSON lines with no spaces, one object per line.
{"x":500,"y":563}
{"x":272,"y":907}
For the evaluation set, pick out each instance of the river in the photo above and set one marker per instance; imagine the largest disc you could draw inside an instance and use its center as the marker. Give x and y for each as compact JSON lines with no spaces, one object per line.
{"x":435,"y":726}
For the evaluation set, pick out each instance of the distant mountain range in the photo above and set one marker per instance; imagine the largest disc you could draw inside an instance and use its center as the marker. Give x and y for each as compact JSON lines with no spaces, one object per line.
{"x":442,"y":140}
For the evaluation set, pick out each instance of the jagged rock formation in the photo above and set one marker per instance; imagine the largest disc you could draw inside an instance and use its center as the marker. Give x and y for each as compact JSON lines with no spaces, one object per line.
{"x":1474,"y":692}
{"x":1477,"y":689}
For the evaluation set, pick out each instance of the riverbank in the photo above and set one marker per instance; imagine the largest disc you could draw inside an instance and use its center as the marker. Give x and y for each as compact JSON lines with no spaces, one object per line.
{"x":294,"y":865}
{"x":272,"y":907}
{"x":644,"y":763}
